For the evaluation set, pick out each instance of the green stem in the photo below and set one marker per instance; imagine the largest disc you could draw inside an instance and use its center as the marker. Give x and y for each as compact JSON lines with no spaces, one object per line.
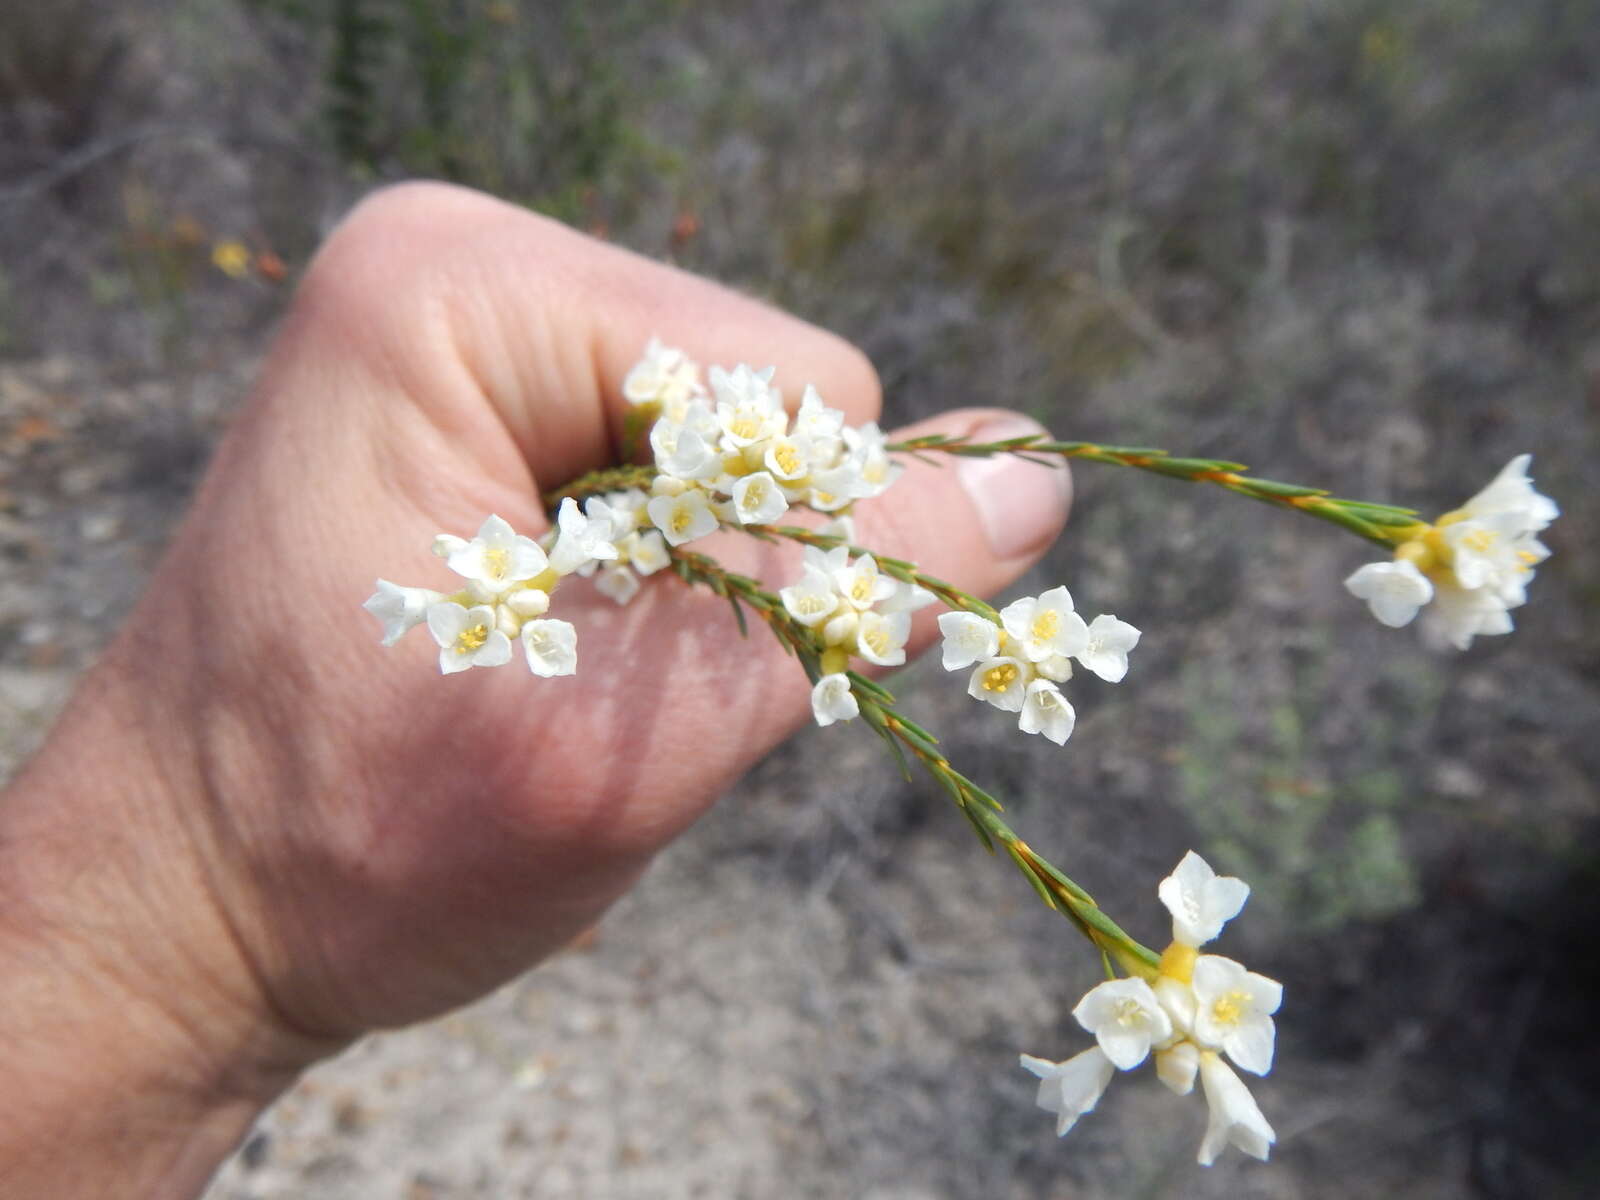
{"x":1381,"y":523}
{"x":598,"y":483}
{"x":1052,"y":886}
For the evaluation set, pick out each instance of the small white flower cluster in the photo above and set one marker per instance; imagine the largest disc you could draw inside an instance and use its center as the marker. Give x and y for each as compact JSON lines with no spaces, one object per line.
{"x":733,"y":455}
{"x":856,"y":610}
{"x":509,"y":581}
{"x":1471,"y":567}
{"x":1018,"y":663}
{"x":1199,"y":1007}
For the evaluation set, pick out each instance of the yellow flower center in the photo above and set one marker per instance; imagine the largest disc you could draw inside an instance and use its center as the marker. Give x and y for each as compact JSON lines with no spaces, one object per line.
{"x":1000,"y":678}
{"x":787,"y":458}
{"x":1046,"y":624}
{"x":472,"y":639}
{"x":1129,"y":1013}
{"x":498,"y":561}
{"x":1228,"y":1008}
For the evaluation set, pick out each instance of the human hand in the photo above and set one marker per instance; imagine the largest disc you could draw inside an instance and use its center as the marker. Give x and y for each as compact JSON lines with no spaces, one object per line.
{"x":270,"y":835}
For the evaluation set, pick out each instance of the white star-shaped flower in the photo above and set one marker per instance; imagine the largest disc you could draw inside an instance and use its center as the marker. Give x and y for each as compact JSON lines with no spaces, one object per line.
{"x":664,"y":376}
{"x":1002,"y":682}
{"x":757,"y":499}
{"x":647,"y":551}
{"x":684,"y":517}
{"x":1394,"y":591}
{"x":1233,"y":1011}
{"x":1458,"y":614}
{"x":1045,"y":710}
{"x":1106,"y":650}
{"x":881,"y":638}
{"x":1201,"y":901}
{"x":968,"y":639}
{"x":1071,"y":1088}
{"x":832,"y":700}
{"x":1511,"y":491}
{"x":1125,"y":1018}
{"x":684,"y":452}
{"x":551,"y":646}
{"x":861,"y":583}
{"x":583,"y":537}
{"x":400,"y":608}
{"x":467,"y":637}
{"x":812,"y":600}
{"x":1234,"y":1119}
{"x":497,"y":557}
{"x":1045,"y":626}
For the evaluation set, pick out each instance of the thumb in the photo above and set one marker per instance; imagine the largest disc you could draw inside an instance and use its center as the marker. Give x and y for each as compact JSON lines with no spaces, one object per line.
{"x":977,"y":523}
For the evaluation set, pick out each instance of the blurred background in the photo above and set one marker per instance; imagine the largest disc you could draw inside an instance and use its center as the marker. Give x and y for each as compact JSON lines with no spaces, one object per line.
{"x":1353,"y":243}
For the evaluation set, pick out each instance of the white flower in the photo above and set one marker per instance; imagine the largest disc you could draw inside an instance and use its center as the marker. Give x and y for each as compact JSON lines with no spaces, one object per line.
{"x":1470,"y":568}
{"x":1071,"y":1088}
{"x":618,"y":582}
{"x":1057,"y":669}
{"x":815,"y":421}
{"x":835,"y":488}
{"x":399,"y":608}
{"x":1233,"y":1011}
{"x":968,"y":639}
{"x":683,"y":452}
{"x":467,"y":637}
{"x":1045,"y":710}
{"x":832,"y":700}
{"x":528,"y":602}
{"x":860,"y":583}
{"x":647,"y":551}
{"x":664,"y":376}
{"x":1002,"y":682}
{"x":1512,"y":492}
{"x":552,"y":647}
{"x":497,"y":557}
{"x":812,"y":600}
{"x":1201,"y":901}
{"x":788,"y":458}
{"x":1457,"y":615}
{"x":684,"y":517}
{"x":1234,"y":1118}
{"x":882,"y":638}
{"x":757,"y":500}
{"x":1106,"y":653}
{"x":906,"y":597}
{"x":1176,"y":1066}
{"x":749,"y":409}
{"x":1125,"y":1018}
{"x":1394,"y":591}
{"x":1045,"y":626}
{"x":583,"y":537}
{"x":874,"y":468}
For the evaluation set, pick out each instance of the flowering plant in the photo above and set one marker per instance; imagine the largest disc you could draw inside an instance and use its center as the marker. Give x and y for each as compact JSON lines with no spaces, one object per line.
{"x":727,"y":454}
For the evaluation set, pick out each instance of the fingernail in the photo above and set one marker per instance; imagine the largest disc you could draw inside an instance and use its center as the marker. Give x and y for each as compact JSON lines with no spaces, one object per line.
{"x":1020,"y":504}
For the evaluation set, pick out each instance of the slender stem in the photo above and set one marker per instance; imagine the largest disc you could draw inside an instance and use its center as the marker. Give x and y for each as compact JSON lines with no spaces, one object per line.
{"x":1381,"y":523}
{"x":1052,"y":886}
{"x":598,"y":483}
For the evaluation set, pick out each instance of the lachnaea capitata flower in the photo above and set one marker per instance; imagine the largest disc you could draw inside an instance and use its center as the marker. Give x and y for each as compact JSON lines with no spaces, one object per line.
{"x":1197,"y":1010}
{"x":1467,"y":570}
